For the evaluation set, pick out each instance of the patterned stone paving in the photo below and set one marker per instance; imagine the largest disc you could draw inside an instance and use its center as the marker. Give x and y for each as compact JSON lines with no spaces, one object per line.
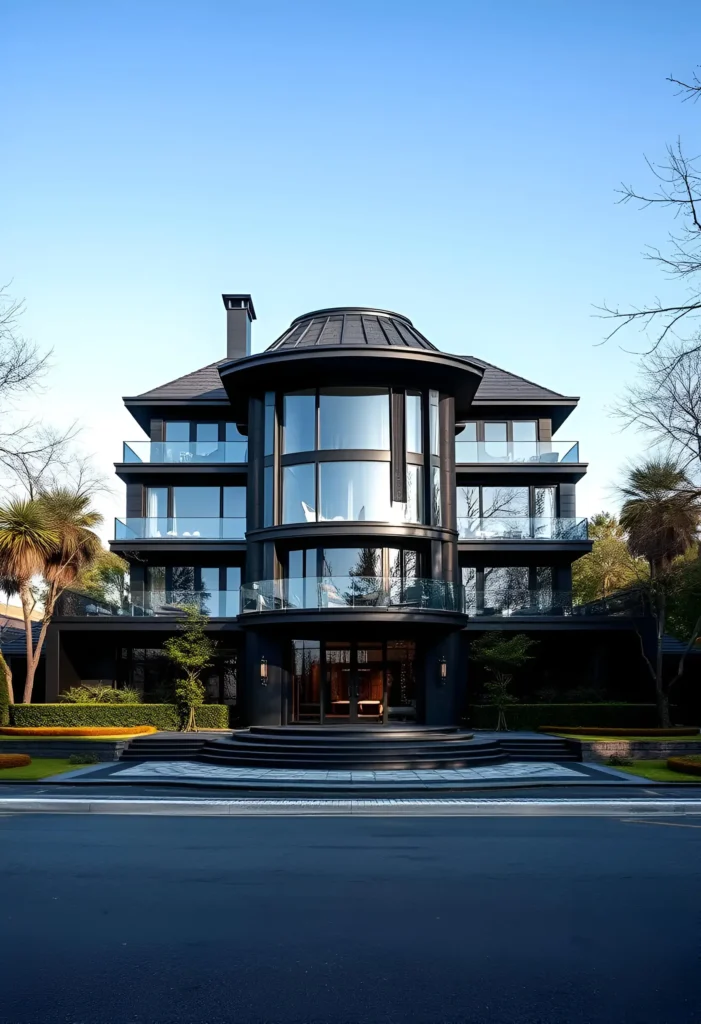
{"x":223,"y":773}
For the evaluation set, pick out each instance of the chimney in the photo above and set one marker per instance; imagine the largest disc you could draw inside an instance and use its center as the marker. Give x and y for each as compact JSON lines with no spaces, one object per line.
{"x":239,"y":313}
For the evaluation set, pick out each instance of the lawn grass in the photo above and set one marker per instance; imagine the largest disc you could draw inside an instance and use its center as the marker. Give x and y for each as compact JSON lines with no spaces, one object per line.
{"x":40,"y":768}
{"x":624,"y":739}
{"x":656,"y":771}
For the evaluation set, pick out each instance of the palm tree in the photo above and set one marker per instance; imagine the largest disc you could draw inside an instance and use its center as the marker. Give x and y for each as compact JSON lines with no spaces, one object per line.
{"x":661,"y":514}
{"x":49,"y":537}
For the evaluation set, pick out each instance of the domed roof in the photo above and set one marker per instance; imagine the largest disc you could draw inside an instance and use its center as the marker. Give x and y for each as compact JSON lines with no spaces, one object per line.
{"x":351,"y":325}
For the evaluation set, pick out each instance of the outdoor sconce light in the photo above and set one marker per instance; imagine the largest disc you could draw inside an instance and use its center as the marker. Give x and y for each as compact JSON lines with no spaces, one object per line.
{"x":442,"y":671}
{"x":263,"y":671}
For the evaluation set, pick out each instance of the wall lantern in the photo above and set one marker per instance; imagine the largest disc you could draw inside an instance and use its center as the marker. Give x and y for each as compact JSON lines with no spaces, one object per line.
{"x":442,"y":671}
{"x":263,"y":671}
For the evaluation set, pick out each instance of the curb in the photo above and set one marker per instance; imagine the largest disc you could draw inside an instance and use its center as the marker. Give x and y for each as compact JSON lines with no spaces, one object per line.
{"x":392,"y":806}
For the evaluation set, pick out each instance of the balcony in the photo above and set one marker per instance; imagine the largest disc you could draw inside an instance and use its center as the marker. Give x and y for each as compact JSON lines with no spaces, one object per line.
{"x":216,"y":604}
{"x":180,"y":527}
{"x":520,"y":452}
{"x":516,"y":528}
{"x":517,"y":602}
{"x":184,"y":453}
{"x":351,"y":592}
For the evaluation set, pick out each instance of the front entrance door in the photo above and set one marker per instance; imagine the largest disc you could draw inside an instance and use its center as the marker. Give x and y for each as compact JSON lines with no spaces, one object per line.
{"x":356,"y":683}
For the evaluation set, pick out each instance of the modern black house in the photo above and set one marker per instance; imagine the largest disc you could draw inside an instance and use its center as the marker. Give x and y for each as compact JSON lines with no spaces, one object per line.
{"x":348,"y":507}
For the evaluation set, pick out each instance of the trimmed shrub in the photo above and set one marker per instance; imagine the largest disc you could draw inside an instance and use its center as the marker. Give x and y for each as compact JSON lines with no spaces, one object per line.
{"x":574,"y":716}
{"x":4,"y":696}
{"x":163,"y":717}
{"x":688,"y":765}
{"x":57,"y":730}
{"x":592,"y":730}
{"x":100,"y":695}
{"x":14,"y":760}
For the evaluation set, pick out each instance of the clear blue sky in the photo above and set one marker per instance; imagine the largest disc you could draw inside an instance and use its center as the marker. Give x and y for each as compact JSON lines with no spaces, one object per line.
{"x":453,"y":161}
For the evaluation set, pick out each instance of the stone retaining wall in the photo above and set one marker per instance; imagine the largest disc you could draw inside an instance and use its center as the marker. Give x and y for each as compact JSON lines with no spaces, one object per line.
{"x":650,"y":750}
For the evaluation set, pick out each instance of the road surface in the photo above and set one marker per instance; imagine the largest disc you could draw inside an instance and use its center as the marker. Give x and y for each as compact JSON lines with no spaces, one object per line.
{"x":120,"y":920}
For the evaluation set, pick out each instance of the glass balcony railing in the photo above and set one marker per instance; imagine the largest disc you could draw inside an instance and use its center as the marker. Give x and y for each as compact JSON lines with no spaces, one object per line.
{"x":343,"y":592}
{"x":516,"y":451}
{"x":184,"y":453}
{"x":217,"y":604}
{"x":490,"y":528}
{"x":190,"y":527}
{"x":515,"y":602}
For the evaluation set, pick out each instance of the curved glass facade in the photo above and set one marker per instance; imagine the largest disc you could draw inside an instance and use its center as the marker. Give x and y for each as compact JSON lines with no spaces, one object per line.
{"x":387,"y":486}
{"x":351,"y":418}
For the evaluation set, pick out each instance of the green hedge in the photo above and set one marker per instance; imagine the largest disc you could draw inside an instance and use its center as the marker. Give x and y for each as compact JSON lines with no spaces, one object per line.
{"x":162,"y":716}
{"x":532,"y":716}
{"x":4,"y":696}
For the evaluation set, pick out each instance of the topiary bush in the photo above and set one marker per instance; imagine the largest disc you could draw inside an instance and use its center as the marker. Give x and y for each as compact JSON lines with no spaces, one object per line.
{"x":163,"y":716}
{"x":14,"y":760}
{"x":689,"y":765}
{"x":83,"y":759}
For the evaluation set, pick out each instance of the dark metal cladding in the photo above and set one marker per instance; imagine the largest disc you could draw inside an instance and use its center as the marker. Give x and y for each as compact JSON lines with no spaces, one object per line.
{"x":353,"y":325}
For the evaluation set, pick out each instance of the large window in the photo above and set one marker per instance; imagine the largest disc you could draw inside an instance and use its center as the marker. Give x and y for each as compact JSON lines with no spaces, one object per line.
{"x":354,"y":491}
{"x":327,"y":487}
{"x":354,"y":418}
{"x":298,"y":494}
{"x":299,"y":422}
{"x":414,"y":424}
{"x":196,"y":501}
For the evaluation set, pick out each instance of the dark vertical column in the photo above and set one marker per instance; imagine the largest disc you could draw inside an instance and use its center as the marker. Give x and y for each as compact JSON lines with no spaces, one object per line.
{"x":443,"y":700}
{"x":448,"y":486}
{"x":254,"y":487}
{"x":52,"y":652}
{"x":137,"y":583}
{"x":562,"y":578}
{"x":264,"y":704}
{"x":157,"y":430}
{"x":568,"y":501}
{"x":135,"y":501}
{"x":398,"y":447}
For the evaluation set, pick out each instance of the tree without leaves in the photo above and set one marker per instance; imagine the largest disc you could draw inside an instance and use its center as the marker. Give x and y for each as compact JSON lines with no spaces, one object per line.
{"x":678,"y":189}
{"x":665,"y":403}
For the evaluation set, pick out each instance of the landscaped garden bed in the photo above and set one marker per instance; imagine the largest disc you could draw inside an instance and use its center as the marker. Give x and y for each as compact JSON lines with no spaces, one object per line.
{"x":636,"y":733}
{"x":109,"y":732}
{"x":687,"y":765}
{"x":38,"y":768}
{"x":572,"y":716}
{"x":656,"y":770}
{"x":163,"y":717}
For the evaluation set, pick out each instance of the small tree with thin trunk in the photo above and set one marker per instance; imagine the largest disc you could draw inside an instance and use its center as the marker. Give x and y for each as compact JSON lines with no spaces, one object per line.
{"x":501,"y":655}
{"x":661,"y":514}
{"x":191,"y":651}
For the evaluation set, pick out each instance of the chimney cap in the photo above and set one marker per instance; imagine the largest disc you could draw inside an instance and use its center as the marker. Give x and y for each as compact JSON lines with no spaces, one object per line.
{"x":239,"y":302}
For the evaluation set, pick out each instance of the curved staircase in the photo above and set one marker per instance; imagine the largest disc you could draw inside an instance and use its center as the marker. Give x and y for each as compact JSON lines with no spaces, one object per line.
{"x":348,"y":747}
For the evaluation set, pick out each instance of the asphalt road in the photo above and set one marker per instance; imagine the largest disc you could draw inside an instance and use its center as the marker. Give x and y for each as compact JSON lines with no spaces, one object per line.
{"x":489,"y":920}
